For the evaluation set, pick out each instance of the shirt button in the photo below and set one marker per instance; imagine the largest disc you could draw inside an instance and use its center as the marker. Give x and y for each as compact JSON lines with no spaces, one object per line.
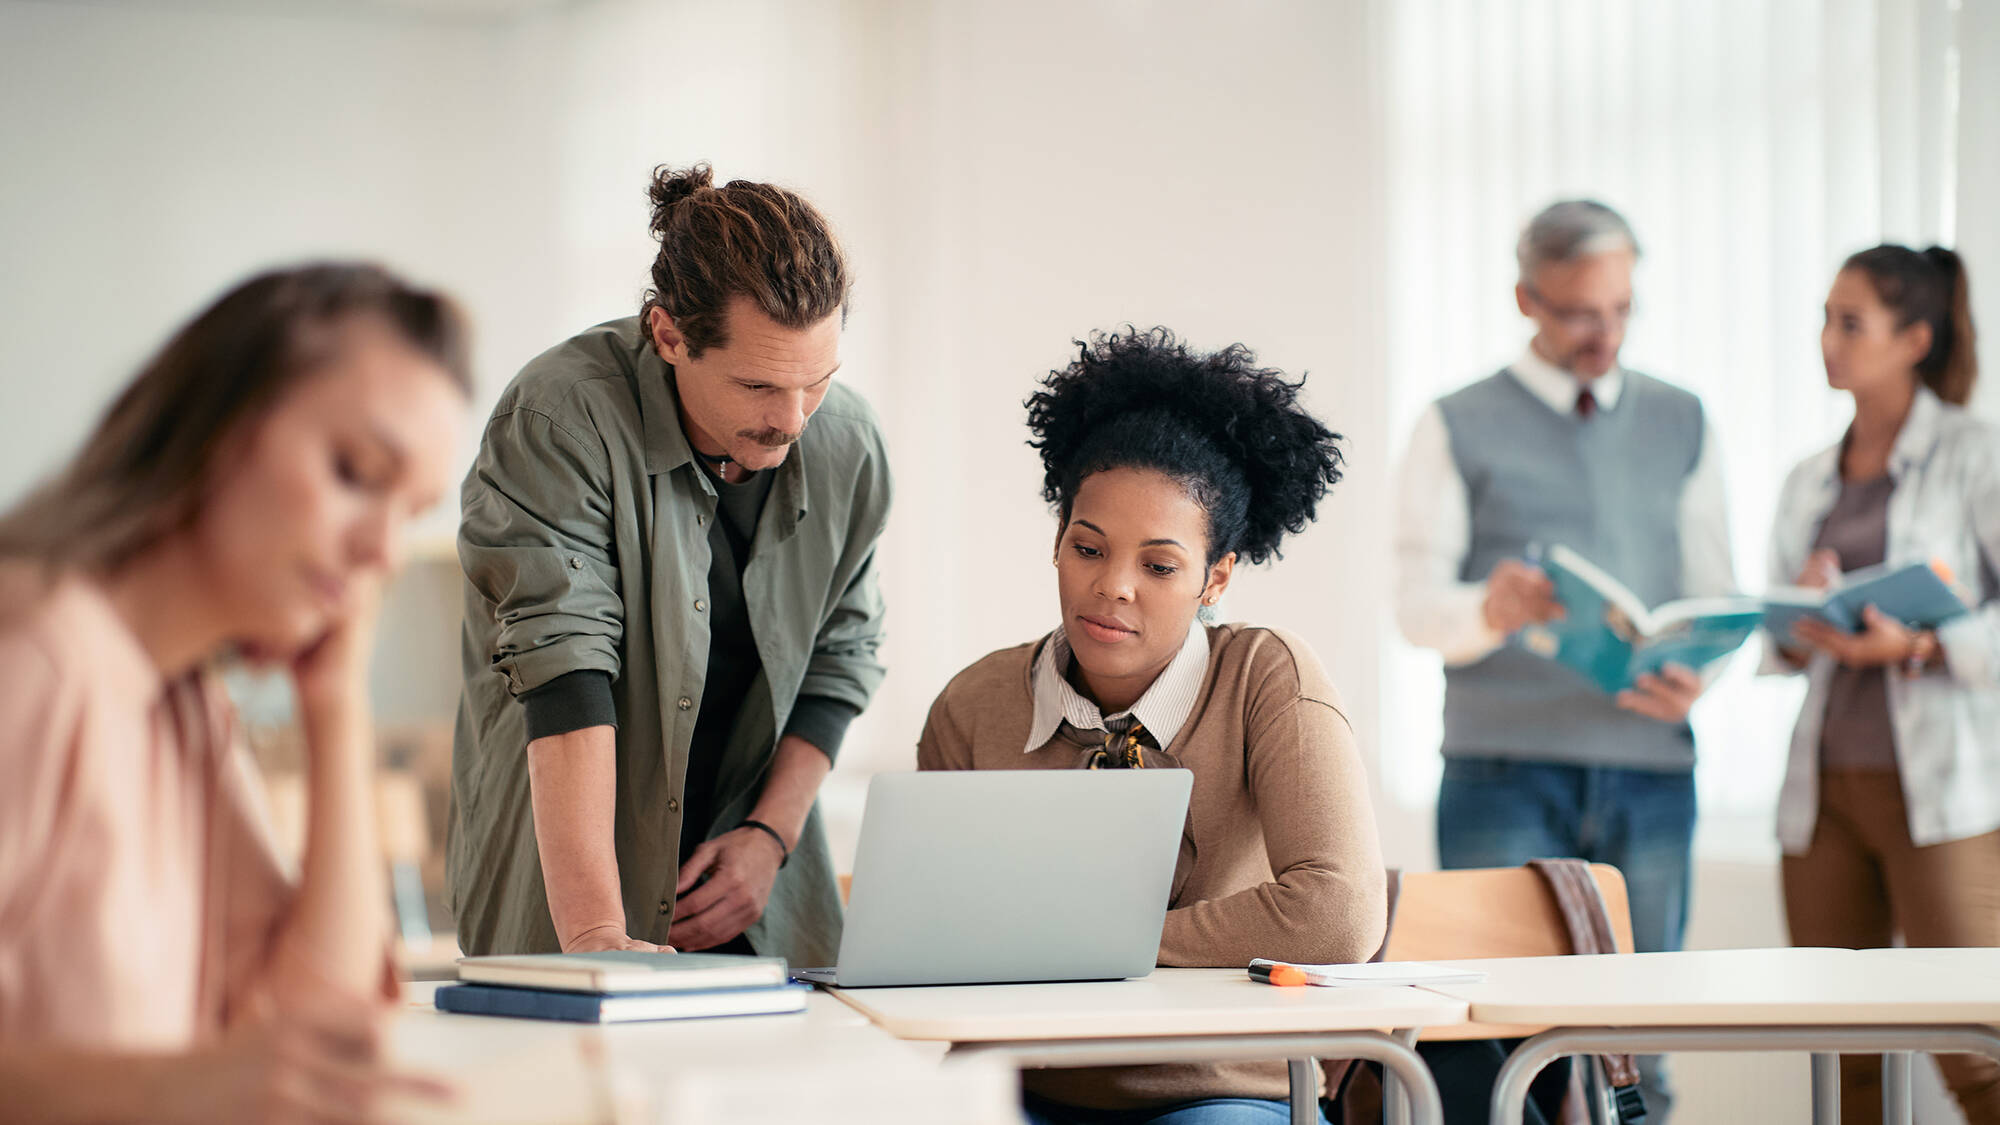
{"x":666,"y":908}
{"x":701,"y":521}
{"x":700,"y":605}
{"x":685,"y":703}
{"x":673,"y":805}
{"x":575,"y":563}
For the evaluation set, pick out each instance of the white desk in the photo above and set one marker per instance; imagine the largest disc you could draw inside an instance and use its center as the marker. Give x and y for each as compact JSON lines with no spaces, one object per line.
{"x":1173,"y":1015}
{"x":1973,"y":966}
{"x":1827,"y":1001}
{"x":827,"y":1064}
{"x":1976,"y":968}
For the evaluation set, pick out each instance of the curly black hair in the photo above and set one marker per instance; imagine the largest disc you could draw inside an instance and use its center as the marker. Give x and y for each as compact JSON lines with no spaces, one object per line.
{"x":1228,"y":431}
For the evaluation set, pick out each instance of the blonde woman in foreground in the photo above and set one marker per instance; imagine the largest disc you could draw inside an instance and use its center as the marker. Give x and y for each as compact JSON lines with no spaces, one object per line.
{"x":244,"y":496}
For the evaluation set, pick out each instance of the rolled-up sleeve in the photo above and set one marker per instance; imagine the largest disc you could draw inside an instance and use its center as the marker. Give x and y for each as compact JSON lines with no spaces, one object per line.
{"x":535,"y":540}
{"x":821,"y":722}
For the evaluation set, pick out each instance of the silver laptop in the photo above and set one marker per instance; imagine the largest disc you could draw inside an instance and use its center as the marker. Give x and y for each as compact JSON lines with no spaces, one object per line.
{"x":994,"y":876}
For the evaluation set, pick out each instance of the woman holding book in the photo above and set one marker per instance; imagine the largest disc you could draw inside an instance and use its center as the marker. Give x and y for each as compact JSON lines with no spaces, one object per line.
{"x":1166,"y":468}
{"x":244,"y":496}
{"x":1890,"y":813}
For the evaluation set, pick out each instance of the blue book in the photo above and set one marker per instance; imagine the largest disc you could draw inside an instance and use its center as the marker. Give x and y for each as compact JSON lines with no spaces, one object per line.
{"x":627,"y":1007}
{"x":1915,"y":594}
{"x":1609,"y":637}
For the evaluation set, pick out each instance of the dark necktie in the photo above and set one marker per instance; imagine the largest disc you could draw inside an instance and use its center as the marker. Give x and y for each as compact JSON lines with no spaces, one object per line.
{"x":1586,"y":404}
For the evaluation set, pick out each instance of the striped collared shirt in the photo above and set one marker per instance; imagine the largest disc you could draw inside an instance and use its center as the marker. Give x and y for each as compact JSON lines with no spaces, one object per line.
{"x":1164,"y":708}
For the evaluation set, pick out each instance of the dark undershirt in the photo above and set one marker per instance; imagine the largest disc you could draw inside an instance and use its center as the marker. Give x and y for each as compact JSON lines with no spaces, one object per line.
{"x":733,"y":663}
{"x":1857,"y":735}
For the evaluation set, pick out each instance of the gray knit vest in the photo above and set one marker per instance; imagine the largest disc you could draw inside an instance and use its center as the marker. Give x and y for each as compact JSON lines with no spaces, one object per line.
{"x":1610,"y":489}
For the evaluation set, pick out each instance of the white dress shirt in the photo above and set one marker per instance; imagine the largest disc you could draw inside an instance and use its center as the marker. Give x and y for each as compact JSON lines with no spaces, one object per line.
{"x":1163,"y":709}
{"x":1435,"y":609}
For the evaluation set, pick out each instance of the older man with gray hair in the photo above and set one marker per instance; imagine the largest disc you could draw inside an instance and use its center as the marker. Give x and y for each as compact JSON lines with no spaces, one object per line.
{"x":1564,"y":446}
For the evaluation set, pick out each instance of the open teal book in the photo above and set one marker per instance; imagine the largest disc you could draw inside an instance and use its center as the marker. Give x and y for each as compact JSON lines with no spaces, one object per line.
{"x":1920,"y":595}
{"x":1611,"y":638}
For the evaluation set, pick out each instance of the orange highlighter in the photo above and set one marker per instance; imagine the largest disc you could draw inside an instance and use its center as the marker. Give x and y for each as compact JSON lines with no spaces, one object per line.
{"x":1278,"y":973}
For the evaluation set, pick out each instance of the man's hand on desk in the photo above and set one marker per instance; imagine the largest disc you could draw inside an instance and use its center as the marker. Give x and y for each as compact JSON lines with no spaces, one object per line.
{"x":741,"y":865}
{"x":610,"y":937}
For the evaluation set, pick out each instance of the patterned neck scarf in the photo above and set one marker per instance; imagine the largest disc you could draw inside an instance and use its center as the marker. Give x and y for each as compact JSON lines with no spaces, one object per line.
{"x":1132,"y":748}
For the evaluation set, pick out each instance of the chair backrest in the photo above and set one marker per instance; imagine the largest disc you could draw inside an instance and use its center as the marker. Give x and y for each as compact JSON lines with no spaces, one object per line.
{"x":1492,"y":912}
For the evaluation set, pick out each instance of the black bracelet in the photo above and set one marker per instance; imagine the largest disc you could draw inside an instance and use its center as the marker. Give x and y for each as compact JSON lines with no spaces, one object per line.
{"x":784,"y":853}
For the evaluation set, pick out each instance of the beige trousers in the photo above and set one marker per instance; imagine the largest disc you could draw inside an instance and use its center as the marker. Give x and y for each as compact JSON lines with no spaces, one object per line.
{"x":1862,"y":882}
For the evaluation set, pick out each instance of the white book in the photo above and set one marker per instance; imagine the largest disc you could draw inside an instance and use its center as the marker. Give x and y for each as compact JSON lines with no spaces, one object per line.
{"x":625,"y":971}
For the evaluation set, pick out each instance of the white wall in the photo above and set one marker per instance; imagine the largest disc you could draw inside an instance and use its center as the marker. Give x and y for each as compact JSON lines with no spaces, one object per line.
{"x":158,"y":153}
{"x":1978,"y":234}
{"x":1055,"y":168}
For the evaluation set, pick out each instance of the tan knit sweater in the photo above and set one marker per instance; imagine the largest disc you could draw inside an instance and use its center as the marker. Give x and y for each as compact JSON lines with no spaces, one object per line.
{"x":1286,"y":862}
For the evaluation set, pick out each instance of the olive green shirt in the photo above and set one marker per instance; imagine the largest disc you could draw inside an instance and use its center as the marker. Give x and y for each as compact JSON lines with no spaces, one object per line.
{"x":584,"y":539}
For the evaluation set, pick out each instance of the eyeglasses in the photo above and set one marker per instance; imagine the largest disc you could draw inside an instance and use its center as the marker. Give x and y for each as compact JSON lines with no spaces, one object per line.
{"x":1582,"y":320}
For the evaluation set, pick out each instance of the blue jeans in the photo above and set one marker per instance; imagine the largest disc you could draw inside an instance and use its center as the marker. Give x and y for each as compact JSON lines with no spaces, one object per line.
{"x":1208,"y":1111}
{"x":1499,"y":812}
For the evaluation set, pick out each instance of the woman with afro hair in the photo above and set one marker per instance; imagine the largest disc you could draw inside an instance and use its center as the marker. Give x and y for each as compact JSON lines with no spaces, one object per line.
{"x":1166,"y":467}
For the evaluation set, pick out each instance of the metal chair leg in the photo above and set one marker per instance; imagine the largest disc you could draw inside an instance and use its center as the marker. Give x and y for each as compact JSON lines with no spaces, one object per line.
{"x":1825,"y":1088}
{"x":1896,"y":1088}
{"x":1305,"y":1094}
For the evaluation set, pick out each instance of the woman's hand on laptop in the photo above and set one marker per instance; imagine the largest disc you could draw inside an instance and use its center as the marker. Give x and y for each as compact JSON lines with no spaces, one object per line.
{"x":723,"y":888}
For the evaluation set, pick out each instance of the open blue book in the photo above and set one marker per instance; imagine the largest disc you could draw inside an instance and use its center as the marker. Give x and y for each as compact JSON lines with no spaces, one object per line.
{"x":1611,"y":638}
{"x":1916,"y":594}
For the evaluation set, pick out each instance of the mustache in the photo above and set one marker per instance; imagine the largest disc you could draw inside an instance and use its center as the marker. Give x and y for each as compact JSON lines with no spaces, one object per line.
{"x":771,"y":438}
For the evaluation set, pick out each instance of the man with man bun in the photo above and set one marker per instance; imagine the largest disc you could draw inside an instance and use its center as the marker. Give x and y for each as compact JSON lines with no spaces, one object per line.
{"x":671,"y":613}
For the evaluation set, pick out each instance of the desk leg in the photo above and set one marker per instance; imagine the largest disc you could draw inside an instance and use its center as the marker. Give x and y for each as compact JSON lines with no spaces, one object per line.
{"x":1396,"y":1056}
{"x":1396,"y":1104}
{"x":1896,"y":1092}
{"x":1596,"y":1089}
{"x":1826,"y":1043}
{"x":1305,"y":1100}
{"x":1825,"y":1088}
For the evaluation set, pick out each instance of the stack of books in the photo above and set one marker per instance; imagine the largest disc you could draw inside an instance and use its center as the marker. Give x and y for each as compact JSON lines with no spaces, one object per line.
{"x":622,"y":987}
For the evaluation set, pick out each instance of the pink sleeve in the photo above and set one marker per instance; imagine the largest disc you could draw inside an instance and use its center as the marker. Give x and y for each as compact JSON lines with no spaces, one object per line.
{"x":256,"y":885}
{"x":39,"y":720}
{"x":249,"y":888}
